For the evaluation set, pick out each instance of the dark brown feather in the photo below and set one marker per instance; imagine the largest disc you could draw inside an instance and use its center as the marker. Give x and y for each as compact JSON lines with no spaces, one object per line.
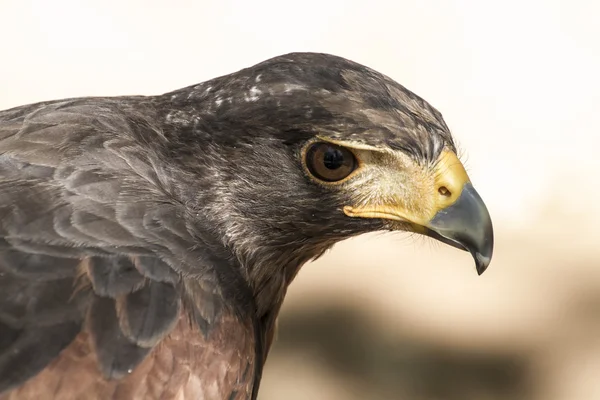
{"x":39,"y":313}
{"x":113,"y":276}
{"x":31,"y":350}
{"x":116,"y":354}
{"x":155,"y":269}
{"x":148,"y":314}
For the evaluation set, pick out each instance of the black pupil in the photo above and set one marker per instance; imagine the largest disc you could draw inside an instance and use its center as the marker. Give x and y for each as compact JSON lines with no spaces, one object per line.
{"x":333,"y":158}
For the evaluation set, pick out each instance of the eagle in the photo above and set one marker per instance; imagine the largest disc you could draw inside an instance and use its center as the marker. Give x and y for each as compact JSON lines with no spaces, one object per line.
{"x":147,"y":242}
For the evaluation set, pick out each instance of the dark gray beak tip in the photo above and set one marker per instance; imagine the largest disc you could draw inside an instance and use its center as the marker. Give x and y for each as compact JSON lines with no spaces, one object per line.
{"x":467,"y":224}
{"x":481,"y":263}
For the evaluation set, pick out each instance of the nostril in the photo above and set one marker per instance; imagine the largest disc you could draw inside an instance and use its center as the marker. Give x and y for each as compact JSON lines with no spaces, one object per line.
{"x":443,"y":190}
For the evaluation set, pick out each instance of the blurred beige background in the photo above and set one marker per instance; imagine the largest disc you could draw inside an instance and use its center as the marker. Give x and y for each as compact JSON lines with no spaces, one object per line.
{"x":389,"y":316}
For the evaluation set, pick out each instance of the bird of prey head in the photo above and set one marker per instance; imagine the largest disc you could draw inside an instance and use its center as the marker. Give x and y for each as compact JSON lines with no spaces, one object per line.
{"x":145,"y":231}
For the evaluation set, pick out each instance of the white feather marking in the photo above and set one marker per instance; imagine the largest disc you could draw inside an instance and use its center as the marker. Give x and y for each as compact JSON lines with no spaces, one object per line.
{"x":290,"y":87}
{"x":254,"y":94}
{"x":178,"y":117}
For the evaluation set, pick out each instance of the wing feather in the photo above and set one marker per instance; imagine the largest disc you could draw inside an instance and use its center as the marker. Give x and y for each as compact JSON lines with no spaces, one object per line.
{"x":116,"y":354}
{"x":147,"y":315}
{"x":94,"y":254}
{"x":113,"y":276}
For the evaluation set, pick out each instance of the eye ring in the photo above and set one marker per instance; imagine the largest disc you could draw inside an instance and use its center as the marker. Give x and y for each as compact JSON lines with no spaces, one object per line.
{"x":329,"y":162}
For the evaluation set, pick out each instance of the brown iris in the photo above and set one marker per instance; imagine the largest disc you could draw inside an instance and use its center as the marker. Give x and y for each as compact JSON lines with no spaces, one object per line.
{"x":329,"y":162}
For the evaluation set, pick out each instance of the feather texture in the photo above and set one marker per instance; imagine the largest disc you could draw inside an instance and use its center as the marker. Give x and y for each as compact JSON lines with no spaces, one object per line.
{"x":116,"y":353}
{"x":92,"y":251}
{"x":148,"y":314}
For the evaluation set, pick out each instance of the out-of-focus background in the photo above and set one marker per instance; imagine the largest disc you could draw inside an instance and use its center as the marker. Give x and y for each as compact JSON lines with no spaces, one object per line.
{"x":389,"y":316}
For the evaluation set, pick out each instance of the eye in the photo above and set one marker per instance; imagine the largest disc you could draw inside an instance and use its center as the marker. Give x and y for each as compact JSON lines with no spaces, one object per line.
{"x":329,"y":162}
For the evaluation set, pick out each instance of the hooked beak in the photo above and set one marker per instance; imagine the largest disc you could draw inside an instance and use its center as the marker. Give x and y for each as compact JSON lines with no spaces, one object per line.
{"x":466,"y":225}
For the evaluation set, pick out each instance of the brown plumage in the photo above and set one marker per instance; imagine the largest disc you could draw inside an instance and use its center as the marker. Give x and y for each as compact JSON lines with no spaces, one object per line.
{"x":183,"y":366}
{"x":146,"y":243}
